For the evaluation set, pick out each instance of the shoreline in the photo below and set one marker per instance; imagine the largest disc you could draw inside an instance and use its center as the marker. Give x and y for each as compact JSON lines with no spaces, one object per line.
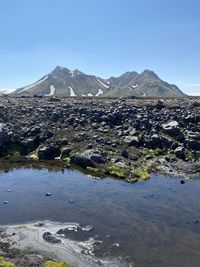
{"x":125,"y":138}
{"x":27,"y":240}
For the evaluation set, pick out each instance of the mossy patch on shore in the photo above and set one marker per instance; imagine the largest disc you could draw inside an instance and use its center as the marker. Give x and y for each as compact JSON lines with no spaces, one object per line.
{"x":138,"y":174}
{"x":4,"y":263}
{"x":93,"y":170}
{"x":143,"y":174}
{"x":66,"y":159}
{"x":35,"y":155}
{"x":117,"y":171}
{"x":56,"y":264}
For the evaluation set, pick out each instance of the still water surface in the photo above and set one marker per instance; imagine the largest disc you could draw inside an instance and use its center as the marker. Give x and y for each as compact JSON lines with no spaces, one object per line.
{"x":155,"y":223}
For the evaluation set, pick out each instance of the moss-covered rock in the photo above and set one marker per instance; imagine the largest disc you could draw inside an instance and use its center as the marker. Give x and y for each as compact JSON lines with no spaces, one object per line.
{"x":144,"y":175}
{"x":140,"y":174}
{"x":4,"y":263}
{"x":117,"y":171}
{"x":93,"y":170}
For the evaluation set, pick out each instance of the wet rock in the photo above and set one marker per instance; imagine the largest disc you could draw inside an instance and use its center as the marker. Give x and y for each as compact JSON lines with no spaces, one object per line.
{"x":50,"y":238}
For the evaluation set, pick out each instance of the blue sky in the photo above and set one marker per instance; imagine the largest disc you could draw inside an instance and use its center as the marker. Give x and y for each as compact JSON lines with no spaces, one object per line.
{"x":101,"y":37}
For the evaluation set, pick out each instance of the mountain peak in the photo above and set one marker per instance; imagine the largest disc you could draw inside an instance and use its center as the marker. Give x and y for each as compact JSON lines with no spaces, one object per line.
{"x":64,"y":82}
{"x":150,"y":73}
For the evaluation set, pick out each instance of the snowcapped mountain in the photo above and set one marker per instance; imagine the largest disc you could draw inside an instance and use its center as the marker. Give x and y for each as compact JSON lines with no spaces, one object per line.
{"x":64,"y":82}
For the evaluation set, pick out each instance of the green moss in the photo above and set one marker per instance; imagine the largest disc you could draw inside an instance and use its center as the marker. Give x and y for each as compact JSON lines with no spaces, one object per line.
{"x":54,"y":264}
{"x":117,"y":171}
{"x":4,"y":263}
{"x":35,"y":155}
{"x":144,"y":175}
{"x":14,"y":150}
{"x":91,"y":169}
{"x":66,"y":159}
{"x":141,"y":174}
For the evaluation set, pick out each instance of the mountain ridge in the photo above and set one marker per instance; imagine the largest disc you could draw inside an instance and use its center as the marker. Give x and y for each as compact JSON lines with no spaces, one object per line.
{"x":65,"y":82}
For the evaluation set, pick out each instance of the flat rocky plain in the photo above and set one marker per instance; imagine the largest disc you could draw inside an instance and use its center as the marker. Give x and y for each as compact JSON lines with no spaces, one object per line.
{"x":125,"y":138}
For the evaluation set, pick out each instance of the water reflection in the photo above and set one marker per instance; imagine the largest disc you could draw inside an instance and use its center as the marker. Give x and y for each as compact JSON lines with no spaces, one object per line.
{"x":156,"y":223}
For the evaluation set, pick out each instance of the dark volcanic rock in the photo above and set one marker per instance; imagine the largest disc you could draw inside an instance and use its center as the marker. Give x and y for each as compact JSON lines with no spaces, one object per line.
{"x":50,"y":238}
{"x":48,"y":152}
{"x":6,"y":132}
{"x":94,"y":131}
{"x":171,"y":128}
{"x":88,"y":158}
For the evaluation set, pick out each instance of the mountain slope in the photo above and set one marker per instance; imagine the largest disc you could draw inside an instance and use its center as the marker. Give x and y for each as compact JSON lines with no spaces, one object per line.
{"x":64,"y":82}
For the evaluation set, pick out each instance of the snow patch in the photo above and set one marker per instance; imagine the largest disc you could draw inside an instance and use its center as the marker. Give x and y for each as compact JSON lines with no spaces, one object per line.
{"x":105,"y":85}
{"x":107,"y":82}
{"x":52,"y":91}
{"x":71,"y":73}
{"x":89,"y":94}
{"x":71,"y":91}
{"x":32,"y":85}
{"x":100,"y":92}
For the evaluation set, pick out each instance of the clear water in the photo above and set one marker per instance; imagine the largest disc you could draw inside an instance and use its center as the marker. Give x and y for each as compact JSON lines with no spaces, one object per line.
{"x":155,"y":223}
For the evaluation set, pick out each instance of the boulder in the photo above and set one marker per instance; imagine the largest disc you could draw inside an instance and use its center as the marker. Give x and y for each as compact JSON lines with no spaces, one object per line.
{"x":88,"y":158}
{"x":48,"y":152}
{"x":65,"y":152}
{"x":193,"y":144}
{"x":28,"y":145}
{"x":171,"y":128}
{"x":132,"y":140}
{"x":180,"y":152}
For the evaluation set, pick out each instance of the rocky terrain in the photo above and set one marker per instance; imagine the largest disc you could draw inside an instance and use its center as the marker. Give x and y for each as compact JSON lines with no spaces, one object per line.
{"x":125,"y":138}
{"x":64,"y":82}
